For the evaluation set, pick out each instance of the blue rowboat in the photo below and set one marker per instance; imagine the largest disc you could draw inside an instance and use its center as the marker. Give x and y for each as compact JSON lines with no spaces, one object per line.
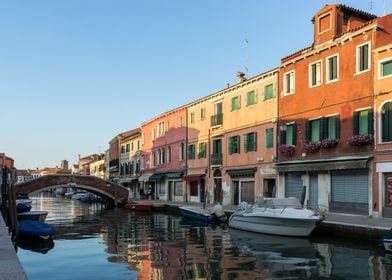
{"x":35,"y":229}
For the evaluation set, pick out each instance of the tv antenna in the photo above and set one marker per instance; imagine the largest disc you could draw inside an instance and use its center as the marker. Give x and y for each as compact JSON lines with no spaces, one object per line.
{"x":246,"y":55}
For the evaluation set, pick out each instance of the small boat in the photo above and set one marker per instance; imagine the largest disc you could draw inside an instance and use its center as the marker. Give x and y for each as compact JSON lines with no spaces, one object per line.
{"x":36,"y":245}
{"x":69,"y":194}
{"x":79,"y":195}
{"x":386,"y":241}
{"x":21,"y":208}
{"x":215,"y":214}
{"x":138,"y":206}
{"x":33,"y":229}
{"x":33,"y":215}
{"x":278,"y":216}
{"x":24,"y":201}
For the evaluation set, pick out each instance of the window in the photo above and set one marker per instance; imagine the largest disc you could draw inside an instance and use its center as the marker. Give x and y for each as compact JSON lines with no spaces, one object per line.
{"x":192,"y":117}
{"x":288,"y":134}
{"x":181,"y":151}
{"x":202,"y":114}
{"x":168,"y":126}
{"x":363,"y":57}
{"x":324,"y":23}
{"x":182,"y":121}
{"x":251,"y":98}
{"x":386,"y":122}
{"x":161,"y":128}
{"x":169,"y":154}
{"x":127,"y":148}
{"x":153,"y":134}
{"x":268,"y":91}
{"x":313,"y":130}
{"x":385,"y":68}
{"x":250,"y":142}
{"x":191,"y":151}
{"x":315,"y":74}
{"x":332,"y":68}
{"x":122,"y":149}
{"x":162,"y":157}
{"x":269,"y":138}
{"x":363,"y":122}
{"x":234,"y":145}
{"x":138,"y":145}
{"x":235,"y":103}
{"x":132,"y":147}
{"x":202,"y":150}
{"x":289,"y":83}
{"x":332,"y":128}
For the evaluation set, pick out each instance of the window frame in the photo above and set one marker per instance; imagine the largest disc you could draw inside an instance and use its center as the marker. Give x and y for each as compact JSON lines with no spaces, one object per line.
{"x":231,"y":149}
{"x":202,"y":150}
{"x":265,"y":91}
{"x":234,"y":105}
{"x":248,"y":99}
{"x":358,"y":58}
{"x":191,"y":153}
{"x":317,"y":82}
{"x":267,"y":140}
{"x":250,"y":142}
{"x":327,"y":68}
{"x":383,"y":127}
{"x":380,"y":63}
{"x":291,"y":89}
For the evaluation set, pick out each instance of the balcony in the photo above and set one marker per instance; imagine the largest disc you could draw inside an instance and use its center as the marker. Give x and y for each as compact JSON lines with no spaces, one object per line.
{"x":217,"y":120}
{"x":216,"y":159}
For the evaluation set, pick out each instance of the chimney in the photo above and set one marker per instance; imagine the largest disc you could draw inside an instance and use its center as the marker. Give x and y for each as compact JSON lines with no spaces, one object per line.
{"x":241,"y":77}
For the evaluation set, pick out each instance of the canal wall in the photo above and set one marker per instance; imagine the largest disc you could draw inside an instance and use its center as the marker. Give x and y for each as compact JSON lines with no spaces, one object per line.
{"x":10,"y":266}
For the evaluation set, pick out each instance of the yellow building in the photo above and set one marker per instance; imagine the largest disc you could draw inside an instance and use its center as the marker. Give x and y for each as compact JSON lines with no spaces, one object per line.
{"x":231,"y":142}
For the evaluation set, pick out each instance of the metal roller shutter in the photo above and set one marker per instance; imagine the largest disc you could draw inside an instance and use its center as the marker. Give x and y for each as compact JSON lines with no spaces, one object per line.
{"x":294,"y":184}
{"x":350,"y":191}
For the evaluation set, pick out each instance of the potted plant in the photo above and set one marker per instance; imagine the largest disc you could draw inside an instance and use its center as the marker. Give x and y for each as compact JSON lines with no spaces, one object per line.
{"x":287,"y":150}
{"x":361,"y":139}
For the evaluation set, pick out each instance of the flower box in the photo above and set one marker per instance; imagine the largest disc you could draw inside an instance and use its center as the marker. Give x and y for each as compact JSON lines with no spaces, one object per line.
{"x":361,"y":139}
{"x":329,"y":143}
{"x":312,"y":146}
{"x":286,"y":150}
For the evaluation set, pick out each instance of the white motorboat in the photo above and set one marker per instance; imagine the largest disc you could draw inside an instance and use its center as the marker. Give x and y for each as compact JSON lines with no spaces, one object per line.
{"x":279,"y":216}
{"x":33,"y":215}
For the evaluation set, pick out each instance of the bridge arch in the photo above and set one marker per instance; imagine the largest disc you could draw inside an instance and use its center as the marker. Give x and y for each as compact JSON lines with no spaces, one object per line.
{"x":109,"y":191}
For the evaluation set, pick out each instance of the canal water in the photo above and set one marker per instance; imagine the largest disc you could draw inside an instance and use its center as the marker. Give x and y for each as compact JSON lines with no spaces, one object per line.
{"x":94,"y":242}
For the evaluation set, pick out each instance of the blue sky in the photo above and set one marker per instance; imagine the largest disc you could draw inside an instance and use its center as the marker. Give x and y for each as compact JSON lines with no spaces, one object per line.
{"x":75,"y":73}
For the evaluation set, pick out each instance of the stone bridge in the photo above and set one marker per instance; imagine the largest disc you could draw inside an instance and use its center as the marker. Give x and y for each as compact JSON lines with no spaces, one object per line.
{"x":109,"y":191}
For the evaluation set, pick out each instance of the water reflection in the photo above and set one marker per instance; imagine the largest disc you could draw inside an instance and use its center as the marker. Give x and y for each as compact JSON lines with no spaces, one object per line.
{"x":36,"y":245}
{"x":161,"y":246}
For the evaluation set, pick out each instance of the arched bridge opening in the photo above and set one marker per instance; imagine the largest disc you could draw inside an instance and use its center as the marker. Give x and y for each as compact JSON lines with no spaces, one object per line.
{"x":109,"y":191}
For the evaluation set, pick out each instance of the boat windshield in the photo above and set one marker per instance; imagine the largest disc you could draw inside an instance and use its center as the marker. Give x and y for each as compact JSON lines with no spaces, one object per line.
{"x":290,"y":202}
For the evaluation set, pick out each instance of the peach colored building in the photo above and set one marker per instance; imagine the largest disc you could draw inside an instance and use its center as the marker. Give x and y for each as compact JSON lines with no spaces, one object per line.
{"x":163,"y":156}
{"x":326,"y":116}
{"x":130,"y":145}
{"x":231,"y":142}
{"x":382,"y":179}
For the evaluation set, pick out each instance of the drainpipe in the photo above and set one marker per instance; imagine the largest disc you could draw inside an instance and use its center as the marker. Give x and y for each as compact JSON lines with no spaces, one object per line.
{"x":186,"y":154}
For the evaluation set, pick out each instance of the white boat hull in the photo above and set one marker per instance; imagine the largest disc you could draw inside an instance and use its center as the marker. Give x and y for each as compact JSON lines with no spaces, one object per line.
{"x":300,"y":227}
{"x":387,"y":244}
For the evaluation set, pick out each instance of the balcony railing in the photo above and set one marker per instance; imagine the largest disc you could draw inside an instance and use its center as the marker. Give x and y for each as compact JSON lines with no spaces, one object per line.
{"x":217,"y":120}
{"x":216,"y":159}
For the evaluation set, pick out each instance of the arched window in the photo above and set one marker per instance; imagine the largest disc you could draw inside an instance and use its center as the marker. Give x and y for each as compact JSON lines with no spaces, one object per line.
{"x":386,"y":122}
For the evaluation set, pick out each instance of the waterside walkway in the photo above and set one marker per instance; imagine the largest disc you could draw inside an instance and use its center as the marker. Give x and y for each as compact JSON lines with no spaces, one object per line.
{"x":10,"y":266}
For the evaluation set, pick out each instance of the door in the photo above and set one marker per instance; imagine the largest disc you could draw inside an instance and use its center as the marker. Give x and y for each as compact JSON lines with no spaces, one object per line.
{"x":216,"y":152}
{"x":387,"y":209}
{"x":247,"y":191}
{"x":170,"y":191}
{"x":202,"y":190}
{"x":218,"y":196}
{"x":294,"y":184}
{"x":236,"y":192}
{"x":269,"y":188}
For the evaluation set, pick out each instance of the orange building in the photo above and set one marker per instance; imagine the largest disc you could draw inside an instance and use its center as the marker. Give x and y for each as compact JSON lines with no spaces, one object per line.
{"x":326,"y":112}
{"x":231,"y":142}
{"x":382,"y":179}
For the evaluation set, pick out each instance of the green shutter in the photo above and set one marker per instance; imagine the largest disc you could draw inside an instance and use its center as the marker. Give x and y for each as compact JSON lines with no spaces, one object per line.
{"x":268,"y":91}
{"x":356,"y":123}
{"x":370,"y":121}
{"x":308,"y":131}
{"x":245,"y":143}
{"x":269,"y":143}
{"x":254,"y":136}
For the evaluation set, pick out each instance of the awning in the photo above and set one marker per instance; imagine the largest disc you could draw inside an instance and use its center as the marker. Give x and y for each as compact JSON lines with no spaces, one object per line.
{"x":174,"y":175}
{"x":249,"y":172}
{"x":145,"y":177}
{"x":157,"y":177}
{"x":324,"y":164}
{"x":193,"y":177}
